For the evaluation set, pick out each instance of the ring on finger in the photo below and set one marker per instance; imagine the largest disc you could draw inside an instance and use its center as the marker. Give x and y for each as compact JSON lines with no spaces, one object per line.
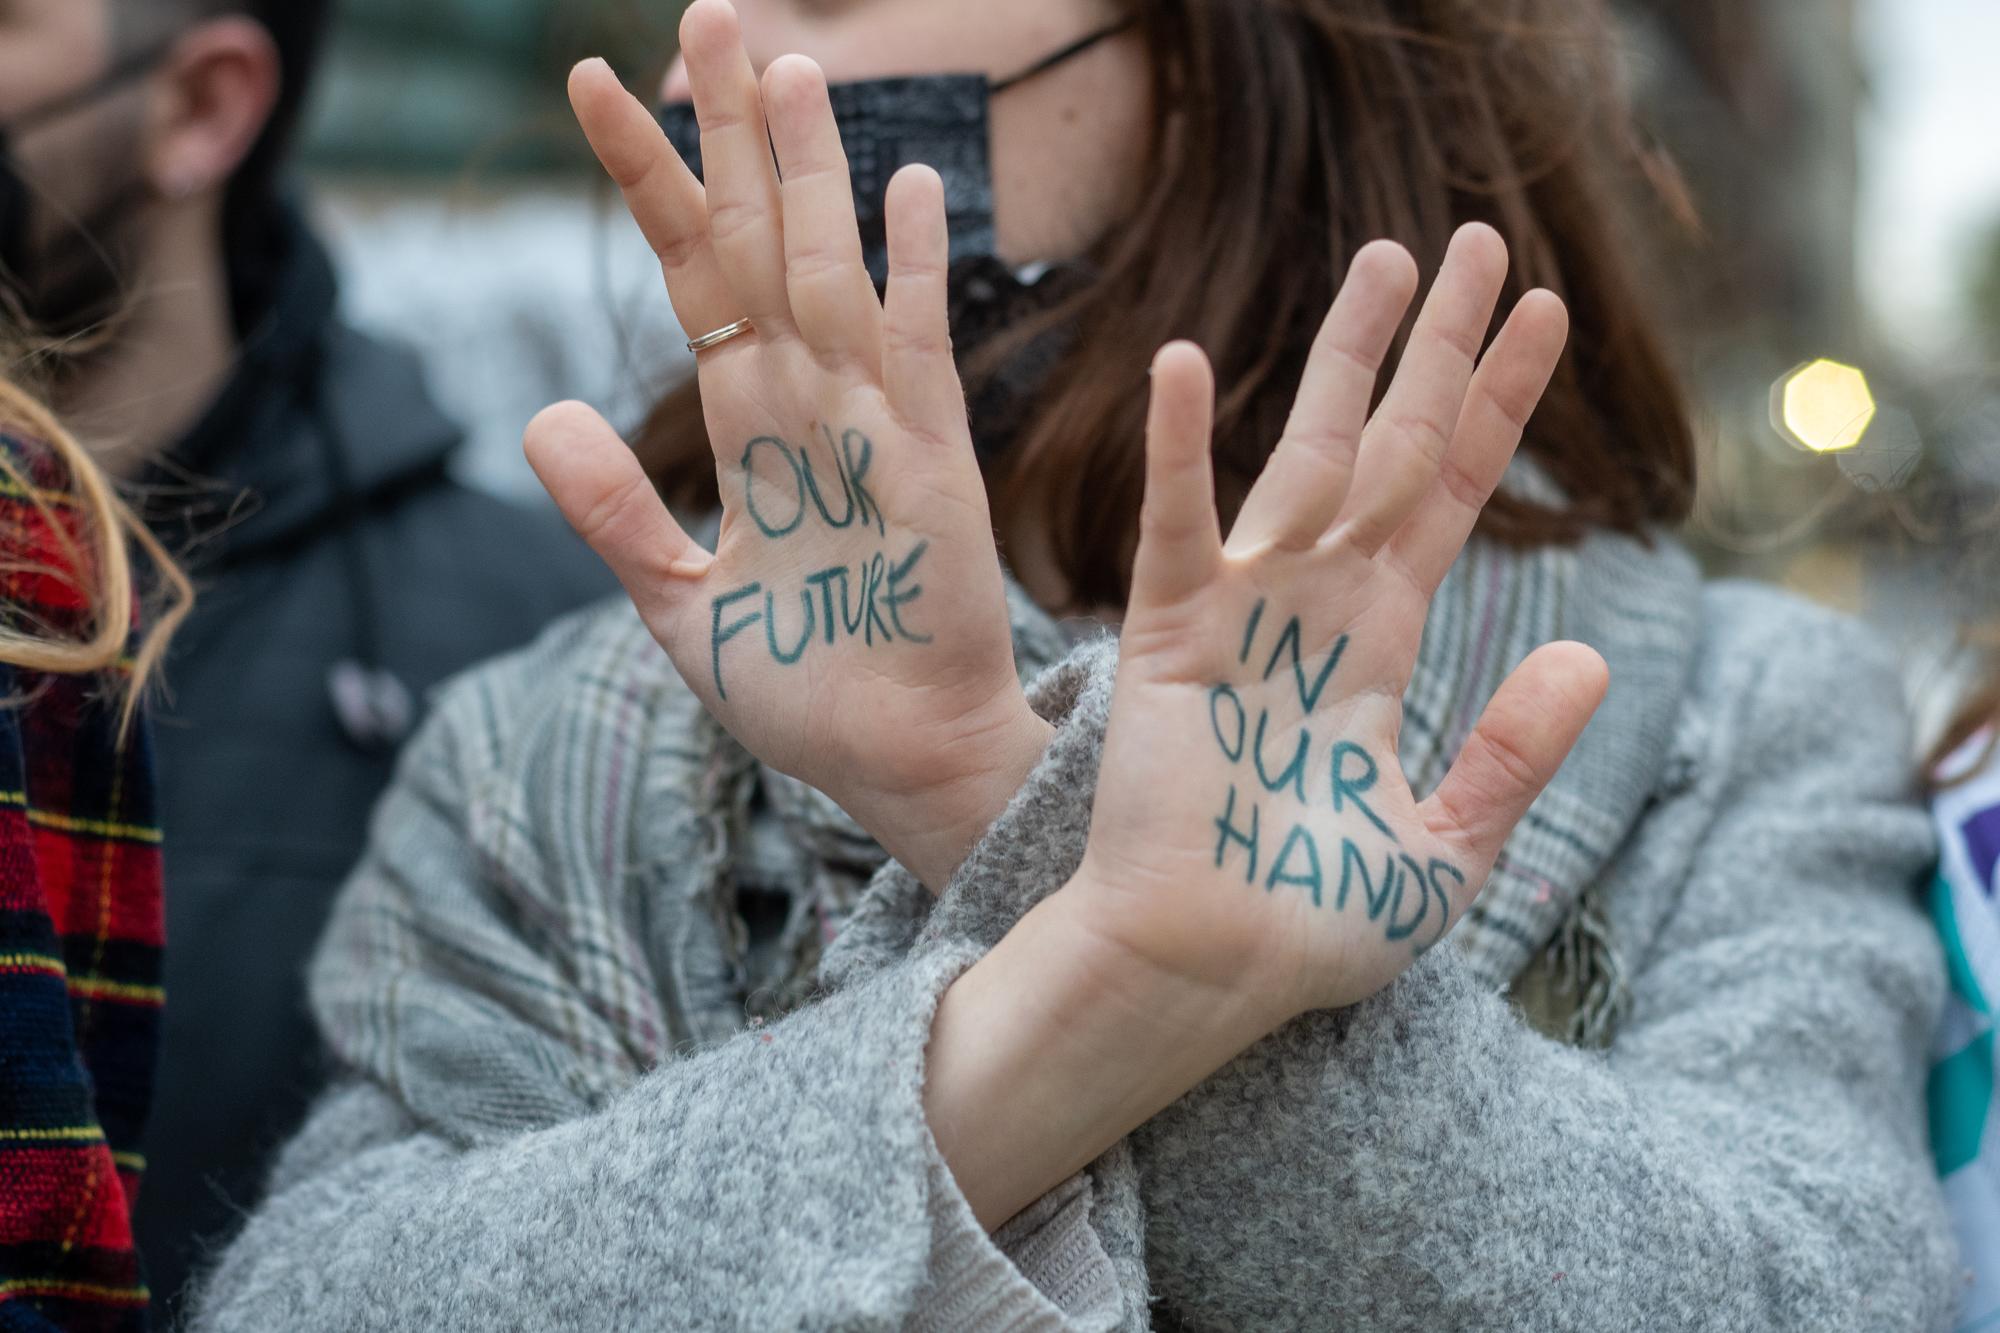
{"x":721,"y":336}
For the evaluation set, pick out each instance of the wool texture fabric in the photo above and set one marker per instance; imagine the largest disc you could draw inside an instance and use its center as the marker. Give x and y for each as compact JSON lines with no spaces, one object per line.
{"x":1747,"y":1153}
{"x":80,"y":937}
{"x":560,"y":1115}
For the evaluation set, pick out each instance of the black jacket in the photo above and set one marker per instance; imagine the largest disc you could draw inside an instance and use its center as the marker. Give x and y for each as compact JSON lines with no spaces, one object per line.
{"x":328,"y":544}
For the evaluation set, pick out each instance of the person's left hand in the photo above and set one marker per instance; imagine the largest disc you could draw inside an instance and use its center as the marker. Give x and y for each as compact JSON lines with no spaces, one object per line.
{"x":1252,"y":830}
{"x":851,"y":626}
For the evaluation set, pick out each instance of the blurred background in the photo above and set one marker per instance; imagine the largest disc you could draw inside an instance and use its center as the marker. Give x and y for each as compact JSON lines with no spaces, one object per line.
{"x":1838,"y":309}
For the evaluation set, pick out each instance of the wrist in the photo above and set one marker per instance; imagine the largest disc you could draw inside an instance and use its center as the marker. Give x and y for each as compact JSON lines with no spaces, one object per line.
{"x":1059,"y":1043}
{"x":931,"y":818}
{"x":1162,"y":944}
{"x":1230,"y":1000}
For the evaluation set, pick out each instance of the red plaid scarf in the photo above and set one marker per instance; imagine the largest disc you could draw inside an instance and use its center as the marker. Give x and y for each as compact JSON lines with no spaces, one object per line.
{"x":80,"y":933}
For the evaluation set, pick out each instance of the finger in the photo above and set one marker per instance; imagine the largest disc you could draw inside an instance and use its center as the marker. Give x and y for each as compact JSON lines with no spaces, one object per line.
{"x":1523,"y":737}
{"x":745,"y":212}
{"x":605,"y":494}
{"x":832,"y":297}
{"x":918,"y":372}
{"x":1505,"y":391}
{"x":1180,"y":541}
{"x":664,"y":197}
{"x":1306,"y":483}
{"x":674,"y":86}
{"x":1404,"y":445}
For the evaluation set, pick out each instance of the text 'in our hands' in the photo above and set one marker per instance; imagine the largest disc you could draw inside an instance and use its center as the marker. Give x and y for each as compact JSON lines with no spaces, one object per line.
{"x":1407,"y":893}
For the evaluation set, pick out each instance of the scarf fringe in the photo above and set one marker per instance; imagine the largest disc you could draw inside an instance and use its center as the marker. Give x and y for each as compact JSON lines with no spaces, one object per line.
{"x":1589,"y":966}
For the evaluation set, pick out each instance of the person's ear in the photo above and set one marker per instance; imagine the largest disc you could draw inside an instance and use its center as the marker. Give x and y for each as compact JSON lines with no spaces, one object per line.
{"x":212,"y":97}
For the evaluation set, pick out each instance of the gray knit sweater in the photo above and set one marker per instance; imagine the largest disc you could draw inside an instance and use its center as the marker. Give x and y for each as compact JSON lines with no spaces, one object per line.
{"x":585,"y":1146}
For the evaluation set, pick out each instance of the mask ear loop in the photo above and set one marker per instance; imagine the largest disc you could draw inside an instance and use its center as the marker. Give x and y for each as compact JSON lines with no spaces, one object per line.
{"x":1066,"y":54}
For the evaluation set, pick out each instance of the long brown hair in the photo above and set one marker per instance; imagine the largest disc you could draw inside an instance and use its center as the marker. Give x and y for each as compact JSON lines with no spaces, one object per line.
{"x":1291,"y":133}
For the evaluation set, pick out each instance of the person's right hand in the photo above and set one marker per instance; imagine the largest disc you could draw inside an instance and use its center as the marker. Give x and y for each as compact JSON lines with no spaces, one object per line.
{"x":1252,"y":825}
{"x":851,"y":626}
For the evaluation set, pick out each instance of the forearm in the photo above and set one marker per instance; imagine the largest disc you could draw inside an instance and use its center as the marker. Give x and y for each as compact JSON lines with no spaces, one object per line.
{"x":1055,"y":1046}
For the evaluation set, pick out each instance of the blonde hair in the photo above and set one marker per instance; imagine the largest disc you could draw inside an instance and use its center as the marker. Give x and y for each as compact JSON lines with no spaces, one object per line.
{"x":102,"y":574}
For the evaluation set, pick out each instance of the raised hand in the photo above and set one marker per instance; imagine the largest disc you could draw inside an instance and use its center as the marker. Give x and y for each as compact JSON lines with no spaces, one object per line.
{"x":1252,"y":822}
{"x":850,"y":627}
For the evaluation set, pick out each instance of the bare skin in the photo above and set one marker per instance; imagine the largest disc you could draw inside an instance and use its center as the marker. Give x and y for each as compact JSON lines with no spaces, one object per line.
{"x":1067,"y":146}
{"x":1174,"y":947}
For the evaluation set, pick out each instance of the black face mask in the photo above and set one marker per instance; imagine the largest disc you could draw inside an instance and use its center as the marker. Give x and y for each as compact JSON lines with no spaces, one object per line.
{"x":73,"y":278}
{"x":939,"y":120}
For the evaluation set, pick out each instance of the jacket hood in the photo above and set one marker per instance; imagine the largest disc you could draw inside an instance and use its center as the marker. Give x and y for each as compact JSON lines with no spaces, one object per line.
{"x":316,"y":421}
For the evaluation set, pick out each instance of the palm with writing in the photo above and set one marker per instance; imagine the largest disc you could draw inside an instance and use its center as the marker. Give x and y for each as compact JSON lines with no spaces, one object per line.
{"x":850,"y":627}
{"x":1251,"y":818}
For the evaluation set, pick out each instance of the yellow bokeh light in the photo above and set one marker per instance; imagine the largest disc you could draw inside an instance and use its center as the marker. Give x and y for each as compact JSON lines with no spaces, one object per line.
{"x":1826,"y":407}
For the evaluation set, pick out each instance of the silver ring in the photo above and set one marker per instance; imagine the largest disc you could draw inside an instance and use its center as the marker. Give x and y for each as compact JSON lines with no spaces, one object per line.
{"x":720,"y":336}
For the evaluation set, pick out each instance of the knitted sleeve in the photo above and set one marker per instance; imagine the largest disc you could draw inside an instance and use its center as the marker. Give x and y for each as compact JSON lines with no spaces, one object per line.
{"x":786,"y":1179}
{"x":1748,"y":1155}
{"x":523,"y":1162}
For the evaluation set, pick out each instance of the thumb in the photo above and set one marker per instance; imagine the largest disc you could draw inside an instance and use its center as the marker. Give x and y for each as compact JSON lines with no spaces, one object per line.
{"x":1522,"y":739}
{"x":600,"y":487}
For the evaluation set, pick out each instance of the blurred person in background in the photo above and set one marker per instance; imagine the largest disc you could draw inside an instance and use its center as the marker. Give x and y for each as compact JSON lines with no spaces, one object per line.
{"x":1966,"y":808}
{"x":80,"y":884}
{"x":300,"y":468}
{"x":1670,"y":1074}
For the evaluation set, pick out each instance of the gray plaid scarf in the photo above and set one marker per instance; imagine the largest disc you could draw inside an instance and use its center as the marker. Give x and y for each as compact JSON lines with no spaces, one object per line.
{"x":606,"y":864}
